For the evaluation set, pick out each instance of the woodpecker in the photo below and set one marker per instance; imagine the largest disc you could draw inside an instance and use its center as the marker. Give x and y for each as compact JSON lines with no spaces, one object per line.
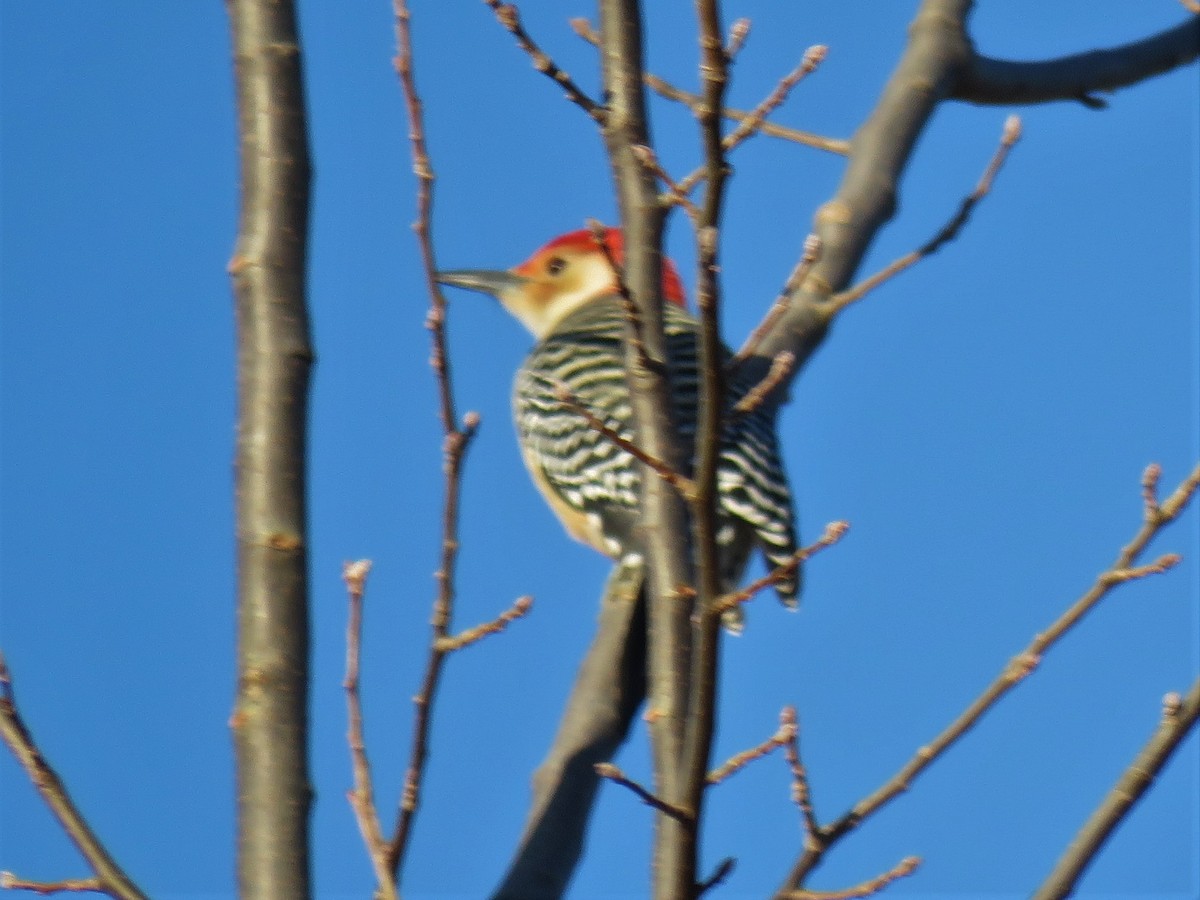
{"x":566,"y":294}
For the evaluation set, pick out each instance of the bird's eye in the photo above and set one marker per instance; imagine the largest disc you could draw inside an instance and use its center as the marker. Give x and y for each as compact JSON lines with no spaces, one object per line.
{"x":556,"y":265}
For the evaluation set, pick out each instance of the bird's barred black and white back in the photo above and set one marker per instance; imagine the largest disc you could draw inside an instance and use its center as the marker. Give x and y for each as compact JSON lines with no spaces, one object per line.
{"x":590,"y":475}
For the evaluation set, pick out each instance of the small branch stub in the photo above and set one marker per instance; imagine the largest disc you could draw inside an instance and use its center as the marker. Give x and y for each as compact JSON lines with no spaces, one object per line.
{"x":614,"y":774}
{"x":834,"y":532}
{"x":902,"y":869}
{"x":781,"y":738}
{"x":520,"y":608}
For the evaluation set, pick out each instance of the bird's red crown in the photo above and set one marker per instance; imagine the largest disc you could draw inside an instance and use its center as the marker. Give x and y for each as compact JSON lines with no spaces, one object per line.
{"x":584,"y":241}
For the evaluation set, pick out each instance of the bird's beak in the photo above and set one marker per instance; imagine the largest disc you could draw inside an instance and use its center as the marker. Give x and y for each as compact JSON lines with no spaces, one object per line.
{"x":488,"y":281}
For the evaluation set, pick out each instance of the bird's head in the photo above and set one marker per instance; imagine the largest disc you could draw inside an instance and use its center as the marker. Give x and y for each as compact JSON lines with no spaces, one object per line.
{"x":558,"y":279}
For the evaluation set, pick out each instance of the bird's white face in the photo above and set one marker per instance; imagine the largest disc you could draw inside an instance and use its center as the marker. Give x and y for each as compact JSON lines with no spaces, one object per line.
{"x":555,"y":282}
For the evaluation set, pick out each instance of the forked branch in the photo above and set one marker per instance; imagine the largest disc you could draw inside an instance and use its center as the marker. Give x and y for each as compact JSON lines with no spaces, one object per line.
{"x":739,"y":31}
{"x":1155,"y":517}
{"x":109,"y":877}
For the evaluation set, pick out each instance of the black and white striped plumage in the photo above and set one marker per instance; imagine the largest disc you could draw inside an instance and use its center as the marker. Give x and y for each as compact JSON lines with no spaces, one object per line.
{"x":593,"y":484}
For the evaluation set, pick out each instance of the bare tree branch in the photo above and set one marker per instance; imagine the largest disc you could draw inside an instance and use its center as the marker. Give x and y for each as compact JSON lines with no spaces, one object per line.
{"x":723,"y":870}
{"x":938,"y":53}
{"x":905,"y":867}
{"x":780,"y":371}
{"x":1179,"y":717}
{"x":109,"y":878}
{"x":10,"y":882}
{"x":834,"y":532}
{"x":663,"y":519}
{"x":615,"y":775}
{"x":668,"y":91}
{"x":701,"y":723}
{"x":270,"y":720}
{"x":457,"y":440}
{"x":520,"y":608}
{"x":739,"y":33}
{"x":564,"y":395}
{"x":608,"y":690}
{"x":1081,"y":75}
{"x":1155,"y":518}
{"x":781,"y":738}
{"x":510,"y":18}
{"x":771,"y":129}
{"x":948,"y":232}
{"x":753,"y":122}
{"x":812,"y":251}
{"x":801,"y":790}
{"x":362,"y":796}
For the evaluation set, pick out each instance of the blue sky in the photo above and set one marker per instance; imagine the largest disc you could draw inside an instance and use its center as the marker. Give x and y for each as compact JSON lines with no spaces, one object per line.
{"x":982,"y":422}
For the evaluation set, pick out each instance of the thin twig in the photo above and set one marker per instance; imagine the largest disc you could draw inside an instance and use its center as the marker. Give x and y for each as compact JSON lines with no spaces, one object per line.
{"x":739,"y":31}
{"x":1179,"y":716}
{"x":1020,"y":667}
{"x":834,"y":532}
{"x":473,"y":635}
{"x":668,"y":91}
{"x":457,"y":440}
{"x":753,"y":122}
{"x":508,"y":16}
{"x":600,"y":235}
{"x":1008,"y":138}
{"x":905,"y":867}
{"x":111,"y":878}
{"x":9,"y":881}
{"x":362,"y":796}
{"x":674,"y":195}
{"x":780,"y":371}
{"x":813,"y":57}
{"x":1150,"y":480}
{"x":614,"y":774}
{"x":781,"y":738}
{"x":723,"y":870}
{"x":801,"y":790}
{"x":812,"y":252}
{"x":568,"y":398}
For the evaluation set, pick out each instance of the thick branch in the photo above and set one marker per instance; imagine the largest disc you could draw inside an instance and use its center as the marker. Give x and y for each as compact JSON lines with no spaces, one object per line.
{"x":937,"y":51}
{"x":270,"y":722}
{"x":1080,"y":75}
{"x":1178,"y":718}
{"x":662,"y":531}
{"x":607,"y":693}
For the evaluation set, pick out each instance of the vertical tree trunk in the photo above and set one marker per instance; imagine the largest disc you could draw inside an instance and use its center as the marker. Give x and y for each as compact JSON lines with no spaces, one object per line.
{"x":270,"y":722}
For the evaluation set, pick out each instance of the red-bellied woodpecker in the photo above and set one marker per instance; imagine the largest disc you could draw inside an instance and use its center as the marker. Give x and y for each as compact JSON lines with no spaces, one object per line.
{"x":566,"y":294}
